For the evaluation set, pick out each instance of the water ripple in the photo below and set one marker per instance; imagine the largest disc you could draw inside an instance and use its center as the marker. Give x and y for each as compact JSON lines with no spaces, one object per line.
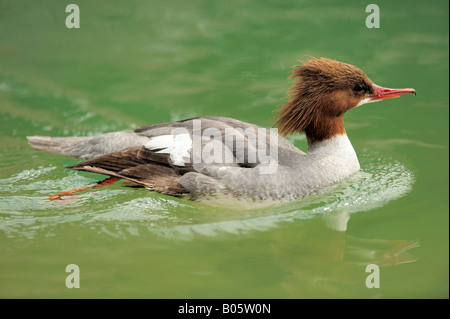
{"x":26,"y":211}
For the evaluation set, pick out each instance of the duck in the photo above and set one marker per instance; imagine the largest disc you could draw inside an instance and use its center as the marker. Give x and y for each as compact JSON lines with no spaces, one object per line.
{"x":211,"y":157}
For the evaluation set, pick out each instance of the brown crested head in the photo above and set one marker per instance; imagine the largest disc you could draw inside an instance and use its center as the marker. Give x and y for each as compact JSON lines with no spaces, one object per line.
{"x":324,"y":91}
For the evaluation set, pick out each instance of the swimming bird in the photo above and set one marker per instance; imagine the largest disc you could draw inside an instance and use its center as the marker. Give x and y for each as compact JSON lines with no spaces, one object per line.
{"x":209,"y":157}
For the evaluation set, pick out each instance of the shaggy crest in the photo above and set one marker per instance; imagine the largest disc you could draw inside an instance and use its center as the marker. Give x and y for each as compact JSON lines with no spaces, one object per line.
{"x":320,"y":84}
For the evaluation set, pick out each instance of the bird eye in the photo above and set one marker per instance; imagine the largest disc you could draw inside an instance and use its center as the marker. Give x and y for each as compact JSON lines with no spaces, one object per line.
{"x":358,"y":88}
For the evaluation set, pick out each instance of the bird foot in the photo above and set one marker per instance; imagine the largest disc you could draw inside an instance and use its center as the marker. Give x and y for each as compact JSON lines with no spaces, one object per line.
{"x":106,"y":182}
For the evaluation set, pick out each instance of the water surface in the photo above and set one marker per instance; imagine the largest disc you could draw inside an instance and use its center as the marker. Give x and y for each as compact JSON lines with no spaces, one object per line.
{"x":132,"y":64}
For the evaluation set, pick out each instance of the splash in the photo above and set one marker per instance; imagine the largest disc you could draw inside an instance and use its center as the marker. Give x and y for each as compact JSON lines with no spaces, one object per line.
{"x":26,"y":211}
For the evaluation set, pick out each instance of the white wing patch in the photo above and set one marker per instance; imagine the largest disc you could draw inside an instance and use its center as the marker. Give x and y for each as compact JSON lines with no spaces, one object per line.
{"x":177,"y":145}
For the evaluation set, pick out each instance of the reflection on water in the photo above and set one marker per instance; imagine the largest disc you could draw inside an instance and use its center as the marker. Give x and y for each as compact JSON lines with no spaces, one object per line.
{"x":309,"y":236}
{"x":336,"y":266}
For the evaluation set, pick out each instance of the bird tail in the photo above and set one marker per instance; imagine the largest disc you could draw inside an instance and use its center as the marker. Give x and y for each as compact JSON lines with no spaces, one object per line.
{"x":56,"y":145}
{"x":86,"y":147}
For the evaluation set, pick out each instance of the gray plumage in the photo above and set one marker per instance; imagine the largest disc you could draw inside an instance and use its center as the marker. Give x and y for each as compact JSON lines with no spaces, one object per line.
{"x":125,"y":155}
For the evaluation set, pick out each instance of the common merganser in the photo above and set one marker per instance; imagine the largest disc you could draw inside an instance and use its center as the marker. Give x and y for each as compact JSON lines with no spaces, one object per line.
{"x":198,"y":159}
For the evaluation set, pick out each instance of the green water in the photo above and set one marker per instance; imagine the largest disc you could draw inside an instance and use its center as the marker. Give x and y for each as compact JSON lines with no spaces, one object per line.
{"x":141,"y":62}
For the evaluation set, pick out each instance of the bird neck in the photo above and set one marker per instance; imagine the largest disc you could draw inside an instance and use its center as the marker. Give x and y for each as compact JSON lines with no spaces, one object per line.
{"x":337,"y":144}
{"x":324,"y":127}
